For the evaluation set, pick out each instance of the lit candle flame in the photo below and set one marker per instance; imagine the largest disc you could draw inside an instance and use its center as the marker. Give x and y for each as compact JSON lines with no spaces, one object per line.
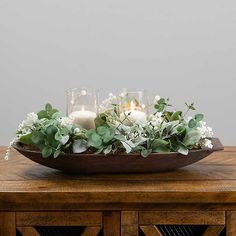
{"x":82,"y":108}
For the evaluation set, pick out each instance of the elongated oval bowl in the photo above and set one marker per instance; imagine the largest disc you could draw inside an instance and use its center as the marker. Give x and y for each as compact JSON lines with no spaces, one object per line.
{"x":122,"y":163}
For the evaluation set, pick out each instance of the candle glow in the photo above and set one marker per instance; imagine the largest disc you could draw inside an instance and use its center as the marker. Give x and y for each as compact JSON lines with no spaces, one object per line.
{"x":133,"y":115}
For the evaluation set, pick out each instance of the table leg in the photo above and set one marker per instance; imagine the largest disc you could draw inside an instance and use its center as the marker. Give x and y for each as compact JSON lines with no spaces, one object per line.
{"x":129,"y":223}
{"x":7,"y":224}
{"x":231,"y":223}
{"x":111,"y":223}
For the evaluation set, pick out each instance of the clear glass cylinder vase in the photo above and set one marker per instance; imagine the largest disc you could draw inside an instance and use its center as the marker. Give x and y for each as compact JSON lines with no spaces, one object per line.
{"x":82,"y":106}
{"x":134,"y":106}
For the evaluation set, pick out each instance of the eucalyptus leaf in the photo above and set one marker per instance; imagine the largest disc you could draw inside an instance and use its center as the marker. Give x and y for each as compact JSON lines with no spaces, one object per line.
{"x":109,"y":135}
{"x":176,"y":115}
{"x":94,"y":140}
{"x":48,"y":107}
{"x":51,"y":130}
{"x":102,"y":130}
{"x":26,"y":139}
{"x":160,"y":145}
{"x":58,"y":136}
{"x":56,"y":115}
{"x":192,"y":137}
{"x":198,"y":117}
{"x":192,"y":123}
{"x":145,"y":152}
{"x":161,"y":149}
{"x":159,"y":142}
{"x":47,"y":151}
{"x":37,"y":137}
{"x":42,"y":114}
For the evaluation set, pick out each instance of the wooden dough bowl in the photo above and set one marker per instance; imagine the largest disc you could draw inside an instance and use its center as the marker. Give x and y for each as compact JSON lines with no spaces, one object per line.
{"x":121,"y":163}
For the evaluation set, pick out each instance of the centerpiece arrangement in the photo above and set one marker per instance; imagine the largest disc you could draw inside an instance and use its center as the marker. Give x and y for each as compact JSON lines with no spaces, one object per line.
{"x":119,"y":135}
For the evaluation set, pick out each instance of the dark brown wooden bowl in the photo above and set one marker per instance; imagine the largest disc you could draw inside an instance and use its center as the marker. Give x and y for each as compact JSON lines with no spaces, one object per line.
{"x":122,"y":163}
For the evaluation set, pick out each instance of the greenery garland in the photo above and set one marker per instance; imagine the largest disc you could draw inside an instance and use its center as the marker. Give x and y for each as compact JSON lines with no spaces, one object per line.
{"x":162,"y":131}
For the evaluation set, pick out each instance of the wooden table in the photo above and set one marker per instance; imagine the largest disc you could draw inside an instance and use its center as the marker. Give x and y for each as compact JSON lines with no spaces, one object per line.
{"x":203,"y":194}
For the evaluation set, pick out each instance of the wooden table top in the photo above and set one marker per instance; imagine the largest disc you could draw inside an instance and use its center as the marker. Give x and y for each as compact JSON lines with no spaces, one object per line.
{"x":25,"y":184}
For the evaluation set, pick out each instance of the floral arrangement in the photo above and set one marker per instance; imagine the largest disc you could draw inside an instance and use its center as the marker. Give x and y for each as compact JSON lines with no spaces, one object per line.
{"x":115,"y":132}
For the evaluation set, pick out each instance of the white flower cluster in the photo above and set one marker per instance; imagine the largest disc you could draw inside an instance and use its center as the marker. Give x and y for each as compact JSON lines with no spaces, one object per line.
{"x":205,"y":131}
{"x":65,"y":121}
{"x":206,"y":134}
{"x":25,"y":127}
{"x":8,"y":151}
{"x":28,"y":124}
{"x":206,"y":143}
{"x":155,"y":120}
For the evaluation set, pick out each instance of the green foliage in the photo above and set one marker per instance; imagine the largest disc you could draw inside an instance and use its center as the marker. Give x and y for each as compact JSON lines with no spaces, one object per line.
{"x":48,"y":135}
{"x":191,"y":138}
{"x":161,"y":104}
{"x":170,"y":132}
{"x":199,"y":117}
{"x":48,"y":112}
{"x":182,"y":149}
{"x":47,"y":151}
{"x":190,"y":106}
{"x":160,"y":145}
{"x":176,"y":116}
{"x":94,"y":139}
{"x":192,"y":123}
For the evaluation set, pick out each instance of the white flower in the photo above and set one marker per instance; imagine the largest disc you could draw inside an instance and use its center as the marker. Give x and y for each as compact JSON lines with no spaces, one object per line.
{"x":28,"y":124}
{"x":8,"y":151}
{"x":76,"y":131}
{"x":65,"y":121}
{"x":156,"y":119}
{"x":205,"y":131}
{"x":64,"y":139}
{"x":206,"y":143}
{"x":157,"y":98}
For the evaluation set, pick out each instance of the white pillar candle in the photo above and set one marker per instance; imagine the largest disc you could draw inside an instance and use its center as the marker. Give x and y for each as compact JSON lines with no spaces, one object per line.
{"x":84,"y":118}
{"x":133,"y":116}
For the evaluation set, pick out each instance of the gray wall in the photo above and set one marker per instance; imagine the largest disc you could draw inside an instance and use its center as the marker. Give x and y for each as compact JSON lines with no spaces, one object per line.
{"x":182,"y":49}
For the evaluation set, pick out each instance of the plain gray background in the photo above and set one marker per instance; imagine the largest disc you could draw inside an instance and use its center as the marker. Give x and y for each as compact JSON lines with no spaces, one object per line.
{"x":182,"y":49}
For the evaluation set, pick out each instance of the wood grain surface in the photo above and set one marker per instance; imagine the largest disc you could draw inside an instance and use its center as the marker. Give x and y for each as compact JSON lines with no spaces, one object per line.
{"x":212,"y":180}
